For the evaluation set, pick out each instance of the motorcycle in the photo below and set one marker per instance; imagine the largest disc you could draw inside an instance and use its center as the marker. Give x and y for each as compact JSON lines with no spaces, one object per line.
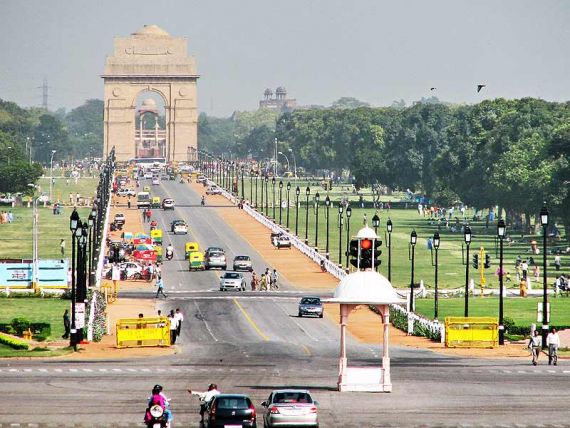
{"x":155,"y":417}
{"x":169,"y":254}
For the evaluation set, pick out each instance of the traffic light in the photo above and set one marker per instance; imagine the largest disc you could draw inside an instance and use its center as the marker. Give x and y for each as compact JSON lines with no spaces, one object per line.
{"x":377,"y":252}
{"x":365,"y":253}
{"x":487,"y":261}
{"x":475,"y":263}
{"x":353,"y":252}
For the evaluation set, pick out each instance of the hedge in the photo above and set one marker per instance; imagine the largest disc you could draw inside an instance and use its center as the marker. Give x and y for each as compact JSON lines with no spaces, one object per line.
{"x":13,"y":342}
{"x":40,"y":330}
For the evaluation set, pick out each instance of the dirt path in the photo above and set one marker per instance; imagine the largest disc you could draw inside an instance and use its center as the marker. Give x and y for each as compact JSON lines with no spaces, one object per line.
{"x":302,"y":273}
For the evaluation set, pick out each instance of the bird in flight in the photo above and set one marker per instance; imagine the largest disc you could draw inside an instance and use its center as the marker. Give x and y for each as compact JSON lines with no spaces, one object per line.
{"x":479,"y":87}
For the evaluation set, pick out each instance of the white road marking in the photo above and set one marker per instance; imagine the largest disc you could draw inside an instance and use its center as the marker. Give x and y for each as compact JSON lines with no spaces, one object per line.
{"x":205,"y":322}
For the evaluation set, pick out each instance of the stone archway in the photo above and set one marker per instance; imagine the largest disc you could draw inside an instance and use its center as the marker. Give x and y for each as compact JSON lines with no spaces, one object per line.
{"x":151,"y":60}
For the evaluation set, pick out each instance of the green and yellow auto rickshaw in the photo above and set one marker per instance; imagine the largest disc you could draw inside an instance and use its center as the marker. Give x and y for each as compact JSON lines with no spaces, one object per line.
{"x":190,"y":247}
{"x":156,"y":236}
{"x":158,"y":251}
{"x":196,"y":261}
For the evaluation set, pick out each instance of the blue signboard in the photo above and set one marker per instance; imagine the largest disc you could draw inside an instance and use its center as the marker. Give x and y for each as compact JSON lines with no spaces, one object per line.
{"x":51,"y":273}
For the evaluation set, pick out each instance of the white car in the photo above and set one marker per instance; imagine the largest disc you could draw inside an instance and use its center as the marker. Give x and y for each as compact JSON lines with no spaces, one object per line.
{"x":213,"y":190}
{"x":148,"y":174}
{"x":134,"y":270}
{"x":168,"y":204}
{"x":155,"y":181}
{"x":232,"y":281}
{"x":119,"y":218}
{"x":126,"y":192}
{"x":180,"y":228}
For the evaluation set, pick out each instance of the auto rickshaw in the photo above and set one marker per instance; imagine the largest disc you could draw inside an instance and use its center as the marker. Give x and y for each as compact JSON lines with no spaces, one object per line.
{"x":156,"y":236}
{"x":155,"y":202}
{"x":158,"y":251}
{"x":190,"y":247}
{"x":196,"y":261}
{"x":146,"y":189}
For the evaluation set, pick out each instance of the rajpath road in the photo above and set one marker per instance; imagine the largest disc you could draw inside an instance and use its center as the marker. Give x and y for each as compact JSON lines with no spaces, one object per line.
{"x":253,"y":342}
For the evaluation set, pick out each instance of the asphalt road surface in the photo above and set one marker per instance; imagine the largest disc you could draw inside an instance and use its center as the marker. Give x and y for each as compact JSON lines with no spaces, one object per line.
{"x":253,"y":342}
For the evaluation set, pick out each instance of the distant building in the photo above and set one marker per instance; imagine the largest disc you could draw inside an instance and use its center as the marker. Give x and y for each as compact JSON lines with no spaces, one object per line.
{"x":279,"y":103}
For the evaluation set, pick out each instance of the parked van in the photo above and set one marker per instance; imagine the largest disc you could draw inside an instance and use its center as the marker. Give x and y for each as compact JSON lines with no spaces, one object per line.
{"x":143,"y":200}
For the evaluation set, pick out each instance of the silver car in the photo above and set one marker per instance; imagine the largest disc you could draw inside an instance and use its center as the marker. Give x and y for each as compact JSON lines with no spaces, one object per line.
{"x":243,"y":263}
{"x":232,"y":281}
{"x":290,"y":407}
{"x":311,"y":306}
{"x":215,"y":259}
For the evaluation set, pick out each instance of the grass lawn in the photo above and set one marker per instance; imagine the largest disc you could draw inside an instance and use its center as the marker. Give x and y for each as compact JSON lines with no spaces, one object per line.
{"x":39,"y":352}
{"x":36,"y":310}
{"x":451,"y":253}
{"x":521,"y":310}
{"x":16,"y":237}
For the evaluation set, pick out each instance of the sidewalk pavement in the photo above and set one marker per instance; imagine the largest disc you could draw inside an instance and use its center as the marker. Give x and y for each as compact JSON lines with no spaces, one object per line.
{"x":303,"y":273}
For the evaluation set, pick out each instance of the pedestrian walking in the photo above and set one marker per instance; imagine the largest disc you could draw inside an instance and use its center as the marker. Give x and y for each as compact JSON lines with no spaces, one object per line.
{"x":254,"y":281}
{"x":553,"y":343}
{"x":144,"y":215}
{"x":62,"y":247}
{"x":179,"y":318}
{"x":173,"y":324}
{"x":557,"y":262}
{"x":129,"y":202}
{"x":66,"y":324}
{"x":274,"y":278}
{"x":160,"y":290}
{"x":115,"y":277}
{"x":148,"y":215}
{"x":534,"y":344}
{"x":263,"y":283}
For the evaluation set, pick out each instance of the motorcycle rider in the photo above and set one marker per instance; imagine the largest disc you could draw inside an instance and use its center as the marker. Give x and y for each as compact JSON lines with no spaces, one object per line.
{"x":205,"y":398}
{"x":169,"y":252}
{"x":158,"y":398}
{"x":153,"y":224}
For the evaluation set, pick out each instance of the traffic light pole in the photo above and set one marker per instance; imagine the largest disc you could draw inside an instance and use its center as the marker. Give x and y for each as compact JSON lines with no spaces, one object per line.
{"x":466,"y":309}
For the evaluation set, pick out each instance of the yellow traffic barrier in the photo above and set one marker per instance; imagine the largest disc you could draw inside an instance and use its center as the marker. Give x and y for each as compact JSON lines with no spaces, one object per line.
{"x":138,"y":332}
{"x":471,"y":332}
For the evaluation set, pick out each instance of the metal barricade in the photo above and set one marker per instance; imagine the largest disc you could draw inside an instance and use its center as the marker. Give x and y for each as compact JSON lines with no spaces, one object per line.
{"x":139,"y":332}
{"x":471,"y":332}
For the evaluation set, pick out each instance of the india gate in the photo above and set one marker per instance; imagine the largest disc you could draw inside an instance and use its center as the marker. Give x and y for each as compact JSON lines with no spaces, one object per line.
{"x":150,"y":62}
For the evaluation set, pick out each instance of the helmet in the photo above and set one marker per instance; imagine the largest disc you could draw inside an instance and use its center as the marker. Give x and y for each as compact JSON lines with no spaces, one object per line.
{"x":156,"y":389}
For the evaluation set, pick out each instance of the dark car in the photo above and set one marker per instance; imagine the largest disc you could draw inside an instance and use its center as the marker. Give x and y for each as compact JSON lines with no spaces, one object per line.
{"x":174,"y":223}
{"x":311,"y":306}
{"x":229,"y":410}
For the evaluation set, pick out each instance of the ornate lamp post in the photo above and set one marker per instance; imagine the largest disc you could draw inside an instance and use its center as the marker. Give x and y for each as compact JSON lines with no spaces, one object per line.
{"x":307,"y":192}
{"x":297,"y":192}
{"x":288,"y":193}
{"x":467,"y":238}
{"x":348,"y":214}
{"x":273,"y":185}
{"x":261,"y":210}
{"x":280,"y":199}
{"x":413,"y":241}
{"x":376,"y":223}
{"x":327,"y":205}
{"x":74,"y":225}
{"x":436,"y":246}
{"x":340,"y":221}
{"x":256,"y":180}
{"x":389,"y":230}
{"x":501,"y":229}
{"x":90,"y":220}
{"x":544,"y":223}
{"x":317,"y":197}
{"x":242,"y":187}
{"x":251,"y":188}
{"x":266,"y":195}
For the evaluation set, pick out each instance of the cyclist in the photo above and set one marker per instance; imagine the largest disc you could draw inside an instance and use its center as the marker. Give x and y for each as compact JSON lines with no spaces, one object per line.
{"x":553,"y":342}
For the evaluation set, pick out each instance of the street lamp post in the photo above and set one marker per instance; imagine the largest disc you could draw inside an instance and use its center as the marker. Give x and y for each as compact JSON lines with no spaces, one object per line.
{"x":413,"y":241}
{"x":389,"y":229}
{"x":294,"y":164}
{"x":544,"y":223}
{"x":376,"y":223}
{"x":251,"y":188}
{"x":256,"y":179}
{"x":436,"y":241}
{"x":73,"y":227}
{"x":467,"y":238}
{"x":51,"y":174}
{"x":327,"y":205}
{"x":297,"y":192}
{"x":90,"y":220}
{"x":266,"y":195}
{"x":501,"y":229}
{"x":280,"y":199}
{"x":307,"y":192}
{"x":273,"y":186}
{"x":288,"y":192}
{"x":242,"y":186}
{"x":317,"y":197}
{"x":340,"y":220}
{"x":286,"y":158}
{"x":348,"y":214}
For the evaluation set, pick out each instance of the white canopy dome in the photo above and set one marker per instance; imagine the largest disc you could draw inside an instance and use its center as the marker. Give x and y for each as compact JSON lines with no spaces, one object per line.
{"x":365,"y":288}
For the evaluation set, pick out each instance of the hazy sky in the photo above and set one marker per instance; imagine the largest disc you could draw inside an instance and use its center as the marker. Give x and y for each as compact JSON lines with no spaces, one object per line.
{"x":320,"y":50}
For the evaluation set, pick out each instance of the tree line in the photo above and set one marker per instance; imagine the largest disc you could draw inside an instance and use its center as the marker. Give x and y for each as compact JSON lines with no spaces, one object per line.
{"x":508,"y":153}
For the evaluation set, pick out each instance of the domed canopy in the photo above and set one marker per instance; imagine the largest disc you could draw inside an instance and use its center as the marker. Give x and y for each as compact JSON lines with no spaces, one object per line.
{"x":365,"y":288}
{"x":280,"y":90}
{"x":149,"y":102}
{"x":268,"y":92}
{"x":366,"y":233}
{"x":151,"y":30}
{"x":148,"y":106}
